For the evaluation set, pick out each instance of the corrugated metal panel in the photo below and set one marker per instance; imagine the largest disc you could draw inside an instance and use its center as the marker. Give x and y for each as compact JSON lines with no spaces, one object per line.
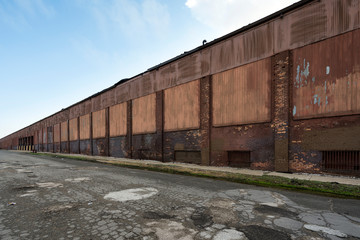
{"x":182,"y":107}
{"x":73,"y":129}
{"x":64,"y":131}
{"x":57,"y":133}
{"x":327,"y":77}
{"x":143,"y":114}
{"x":85,"y":127}
{"x":118,"y":116}
{"x":98,"y":119}
{"x":242,"y":95}
{"x":44,"y":137}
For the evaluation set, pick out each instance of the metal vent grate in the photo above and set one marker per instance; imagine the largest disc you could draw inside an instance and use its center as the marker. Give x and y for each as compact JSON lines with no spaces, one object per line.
{"x":341,"y":161}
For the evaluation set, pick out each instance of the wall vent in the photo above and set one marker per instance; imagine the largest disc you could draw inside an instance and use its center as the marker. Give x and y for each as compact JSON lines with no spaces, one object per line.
{"x":239,"y":159}
{"x":341,"y":161}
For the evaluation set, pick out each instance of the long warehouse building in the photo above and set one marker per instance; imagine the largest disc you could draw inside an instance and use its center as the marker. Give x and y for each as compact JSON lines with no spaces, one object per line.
{"x":280,"y":94}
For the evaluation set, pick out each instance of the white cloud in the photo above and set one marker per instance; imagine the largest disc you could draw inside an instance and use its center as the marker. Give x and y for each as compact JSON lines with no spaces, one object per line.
{"x":225,"y":16}
{"x":130,"y":17}
{"x":18,"y":13}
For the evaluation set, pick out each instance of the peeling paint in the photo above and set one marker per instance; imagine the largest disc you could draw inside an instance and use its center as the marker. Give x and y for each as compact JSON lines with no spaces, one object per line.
{"x":294,"y":110}
{"x":327,"y":70}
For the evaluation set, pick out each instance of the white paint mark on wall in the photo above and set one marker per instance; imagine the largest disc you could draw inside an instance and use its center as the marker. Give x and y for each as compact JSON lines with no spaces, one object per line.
{"x":294,"y":110}
{"x":330,"y":231}
{"x":327,"y":70}
{"x":131,"y":194}
{"x":77,"y":180}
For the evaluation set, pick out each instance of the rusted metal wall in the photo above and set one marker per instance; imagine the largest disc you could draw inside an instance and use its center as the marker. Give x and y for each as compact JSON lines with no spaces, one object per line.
{"x":98,"y":124}
{"x":242,"y":95}
{"x":182,"y":107}
{"x":73,"y":129}
{"x":327,"y":77}
{"x":291,"y":82}
{"x":84,"y":127}
{"x":143,"y":115}
{"x":118,"y":117}
{"x":57,"y":133}
{"x":64,"y":131}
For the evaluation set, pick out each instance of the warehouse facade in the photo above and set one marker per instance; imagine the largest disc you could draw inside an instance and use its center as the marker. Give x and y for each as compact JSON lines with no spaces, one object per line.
{"x":280,"y":94}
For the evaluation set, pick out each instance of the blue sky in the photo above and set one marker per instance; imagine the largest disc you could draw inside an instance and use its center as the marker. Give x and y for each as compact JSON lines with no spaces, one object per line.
{"x":56,"y":53}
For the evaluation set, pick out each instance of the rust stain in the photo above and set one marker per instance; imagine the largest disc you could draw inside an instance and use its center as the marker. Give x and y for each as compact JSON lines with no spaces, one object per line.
{"x":57,"y":133}
{"x":309,"y":24}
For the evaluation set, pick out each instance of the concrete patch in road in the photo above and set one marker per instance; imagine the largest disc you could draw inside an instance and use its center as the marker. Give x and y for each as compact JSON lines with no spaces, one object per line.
{"x":131,"y":194}
{"x":166,"y":229}
{"x":77,"y":180}
{"x":327,"y":230}
{"x":288,"y":223}
{"x":230,"y":234}
{"x":49,"y":185}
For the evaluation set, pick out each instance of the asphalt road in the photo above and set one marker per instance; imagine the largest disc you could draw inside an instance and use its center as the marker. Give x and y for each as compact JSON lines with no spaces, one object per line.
{"x":54,"y":198}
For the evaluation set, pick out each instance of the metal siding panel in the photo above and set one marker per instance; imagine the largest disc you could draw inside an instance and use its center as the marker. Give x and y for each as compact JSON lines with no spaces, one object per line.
{"x":242,"y":95}
{"x":64,"y":131}
{"x":182,"y":107}
{"x":98,"y":119}
{"x":73,"y":129}
{"x":327,"y":77}
{"x":118,"y":116}
{"x":57,"y":133}
{"x":143,"y":114}
{"x":85,"y":127}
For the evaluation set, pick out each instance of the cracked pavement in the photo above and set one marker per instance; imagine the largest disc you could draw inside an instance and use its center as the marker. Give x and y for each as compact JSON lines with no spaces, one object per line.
{"x":54,"y":198}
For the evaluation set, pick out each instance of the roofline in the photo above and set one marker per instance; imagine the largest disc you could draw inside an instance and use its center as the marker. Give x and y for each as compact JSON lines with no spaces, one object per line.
{"x":261,"y":21}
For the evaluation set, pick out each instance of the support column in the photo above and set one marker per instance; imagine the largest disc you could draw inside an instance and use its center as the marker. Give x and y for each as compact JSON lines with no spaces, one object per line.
{"x":91,"y":134}
{"x":78,"y":133}
{"x":281,"y":64}
{"x":205,"y":119}
{"x":159,"y":125}
{"x":68,"y":136}
{"x":129,"y":147}
{"x":107,"y":131}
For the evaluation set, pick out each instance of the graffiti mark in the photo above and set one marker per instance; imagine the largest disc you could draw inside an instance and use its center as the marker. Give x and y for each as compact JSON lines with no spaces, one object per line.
{"x":302,"y":75}
{"x":317,"y":99}
{"x":294,"y":110}
{"x":327,"y":70}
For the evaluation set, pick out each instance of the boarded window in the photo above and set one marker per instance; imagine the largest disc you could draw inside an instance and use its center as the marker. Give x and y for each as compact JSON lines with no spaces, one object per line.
{"x":73,"y":129}
{"x":143,"y":114}
{"x":188,"y":156}
{"x":57,"y":133}
{"x":118,"y":120}
{"x":182,"y":106}
{"x":64,"y":131}
{"x":85,"y":127}
{"x":99,"y":126}
{"x":239,"y":159}
{"x":326,"y":78}
{"x":242,"y":95}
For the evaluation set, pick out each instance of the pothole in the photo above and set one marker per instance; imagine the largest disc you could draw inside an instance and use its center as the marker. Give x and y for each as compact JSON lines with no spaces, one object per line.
{"x":201,"y":218}
{"x":25,"y":188}
{"x":265,"y":209}
{"x":254,"y":232}
{"x":131,"y":194}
